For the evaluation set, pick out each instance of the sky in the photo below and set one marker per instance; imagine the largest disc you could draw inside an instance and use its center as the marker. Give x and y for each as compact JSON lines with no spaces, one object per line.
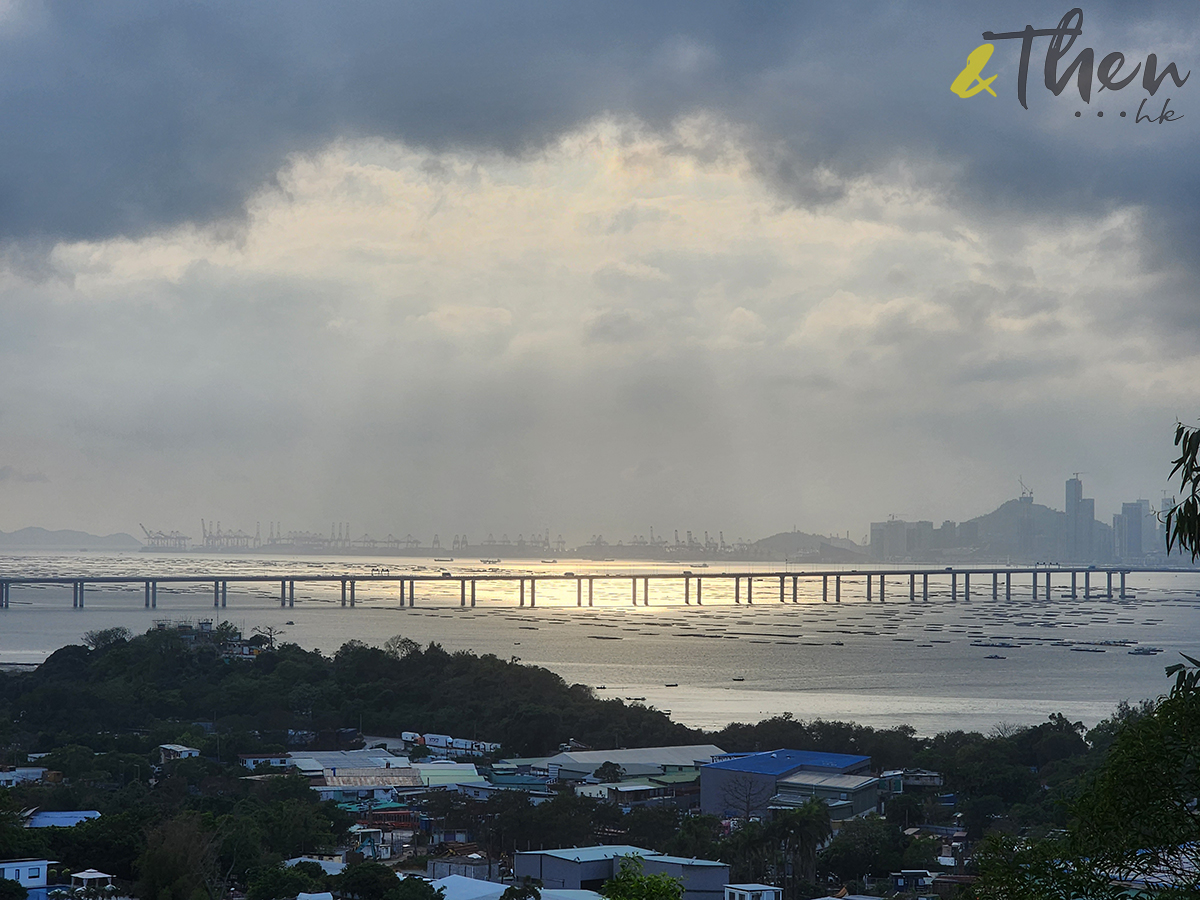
{"x":592,"y":268}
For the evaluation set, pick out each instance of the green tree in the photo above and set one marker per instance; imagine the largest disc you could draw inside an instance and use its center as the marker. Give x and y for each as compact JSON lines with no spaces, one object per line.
{"x":630,"y":884}
{"x":609,"y":772}
{"x":367,"y":881}
{"x":1136,"y":818}
{"x":410,"y":888}
{"x":277,"y":882}
{"x":12,"y":890}
{"x":1183,"y":520}
{"x":798,"y":834}
{"x":867,"y":846}
{"x":106,"y":637}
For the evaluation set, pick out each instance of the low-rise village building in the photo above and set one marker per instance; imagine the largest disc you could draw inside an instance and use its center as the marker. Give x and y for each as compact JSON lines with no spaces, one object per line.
{"x":30,"y":873}
{"x":10,"y":776}
{"x":59,"y":818}
{"x":254,"y":761}
{"x":169,"y":752}
{"x":846,"y":796}
{"x":743,"y":785}
{"x":753,"y":892}
{"x":587,"y":868}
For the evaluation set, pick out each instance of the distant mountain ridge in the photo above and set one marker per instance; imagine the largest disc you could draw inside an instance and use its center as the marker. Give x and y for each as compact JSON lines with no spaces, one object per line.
{"x":44,"y":539}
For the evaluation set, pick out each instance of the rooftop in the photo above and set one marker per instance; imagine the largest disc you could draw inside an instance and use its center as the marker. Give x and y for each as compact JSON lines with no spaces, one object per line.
{"x":682,"y":755}
{"x":593,"y":854}
{"x":830,"y":780}
{"x":782,"y":762}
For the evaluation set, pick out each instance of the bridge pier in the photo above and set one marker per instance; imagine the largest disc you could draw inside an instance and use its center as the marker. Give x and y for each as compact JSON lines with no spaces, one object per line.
{"x":4,"y":587}
{"x":532,"y":592}
{"x":1035,"y":586}
{"x":352,"y":593}
{"x":737,"y":589}
{"x":1123,"y":597}
{"x":837,"y":588}
{"x":522,"y":603}
{"x":634,"y":580}
{"x":343,"y":593}
{"x":216,"y":594}
{"x":1087,"y":584}
{"x":292,"y":594}
{"x":282,"y":594}
{"x":590,"y":585}
{"x":824,"y":588}
{"x":1074,"y":593}
{"x":462,"y":592}
{"x":781,"y":579}
{"x":402,"y":580}
{"x":750,"y":590}
{"x":224,"y":594}
{"x":912,"y":586}
{"x":578,"y":591}
{"x":995,"y":585}
{"x":795,"y":588}
{"x":687,"y":591}
{"x":966,"y":586}
{"x":925,"y":586}
{"x":880,"y":588}
{"x":147,"y":595}
{"x":1047,"y":584}
{"x":954,"y":586}
{"x":699,"y":582}
{"x":869,"y":580}
{"x":645,"y":592}
{"x":1108,"y":593}
{"x":1008,"y":585}
{"x":412,"y":592}
{"x":472,"y":592}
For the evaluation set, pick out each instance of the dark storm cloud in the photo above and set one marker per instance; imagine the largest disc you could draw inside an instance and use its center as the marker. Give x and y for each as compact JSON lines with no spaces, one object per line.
{"x":127,"y":117}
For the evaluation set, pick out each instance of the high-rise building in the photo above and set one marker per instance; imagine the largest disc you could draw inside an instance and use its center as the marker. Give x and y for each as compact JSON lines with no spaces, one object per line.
{"x":1080,"y":523}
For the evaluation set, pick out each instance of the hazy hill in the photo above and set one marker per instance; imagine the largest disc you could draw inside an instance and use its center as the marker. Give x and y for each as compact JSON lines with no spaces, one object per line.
{"x":42,"y":539}
{"x":801,"y":545}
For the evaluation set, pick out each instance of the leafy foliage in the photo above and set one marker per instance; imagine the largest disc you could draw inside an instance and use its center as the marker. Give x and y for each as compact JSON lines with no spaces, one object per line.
{"x":1183,"y":521}
{"x":630,"y":884}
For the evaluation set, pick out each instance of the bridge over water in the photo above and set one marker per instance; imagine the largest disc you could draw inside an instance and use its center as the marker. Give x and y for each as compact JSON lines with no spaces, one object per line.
{"x":669,"y":587}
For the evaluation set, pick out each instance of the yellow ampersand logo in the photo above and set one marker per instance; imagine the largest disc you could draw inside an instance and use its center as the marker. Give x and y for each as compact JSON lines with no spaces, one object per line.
{"x":968,"y":83}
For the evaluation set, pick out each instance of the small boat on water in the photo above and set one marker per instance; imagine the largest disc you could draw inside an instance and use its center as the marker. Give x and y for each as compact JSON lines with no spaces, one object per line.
{"x":672,"y":684}
{"x":489,"y":562}
{"x":738,"y":678}
{"x":549,"y":560}
{"x":995,"y":656}
{"x":443,"y":559}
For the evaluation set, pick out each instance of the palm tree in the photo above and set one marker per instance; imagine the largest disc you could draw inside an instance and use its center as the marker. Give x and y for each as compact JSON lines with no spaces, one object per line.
{"x":797,"y":834}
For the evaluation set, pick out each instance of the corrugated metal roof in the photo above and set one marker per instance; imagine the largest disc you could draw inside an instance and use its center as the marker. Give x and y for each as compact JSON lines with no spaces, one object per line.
{"x":685,"y":755}
{"x":779,"y":762}
{"x":61,"y":819}
{"x":832,"y":781}
{"x":593,"y":854}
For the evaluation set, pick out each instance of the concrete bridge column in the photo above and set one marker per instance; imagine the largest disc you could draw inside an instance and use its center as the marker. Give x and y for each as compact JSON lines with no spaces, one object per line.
{"x":462,"y":592}
{"x":1122,"y":585}
{"x":522,"y":580}
{"x":1008,"y":585}
{"x":750,"y":589}
{"x":283,"y":594}
{"x":472,"y":591}
{"x":824,"y":588}
{"x":591,"y":582}
{"x":81,"y":595}
{"x":634,"y":580}
{"x":224,"y":594}
{"x":699,"y":582}
{"x":343,"y":593}
{"x":737,"y":589}
{"x":687,"y":591}
{"x":645,"y":592}
{"x":216,"y":594}
{"x":532,"y":592}
{"x":837,"y":588}
{"x":781,"y":579}
{"x":966,"y":585}
{"x":412,"y":591}
{"x":1108,"y":593}
{"x":880,"y":588}
{"x":352,"y":582}
{"x":995,"y":585}
{"x":953,"y":585}
{"x":912,"y":586}
{"x":925,"y":586}
{"x":1047,"y":584}
{"x":795,"y":589}
{"x":869,"y":580}
{"x":1087,"y":584}
{"x":154,"y":595}
{"x":402,"y":580}
{"x":3,"y":595}
{"x":578,"y":591}
{"x":147,"y":595}
{"x":292,"y":594}
{"x":1035,"y":586}
{"x":1074,"y":593}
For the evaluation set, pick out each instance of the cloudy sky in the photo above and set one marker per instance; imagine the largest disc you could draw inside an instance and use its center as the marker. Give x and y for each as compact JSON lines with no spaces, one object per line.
{"x":587,"y":267}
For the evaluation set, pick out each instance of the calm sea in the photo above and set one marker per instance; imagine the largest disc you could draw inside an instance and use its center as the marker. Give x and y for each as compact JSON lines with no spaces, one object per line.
{"x":880,"y":664}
